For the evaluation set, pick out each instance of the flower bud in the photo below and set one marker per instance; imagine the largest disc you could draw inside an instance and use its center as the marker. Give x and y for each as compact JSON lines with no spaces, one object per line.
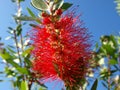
{"x":58,"y":12}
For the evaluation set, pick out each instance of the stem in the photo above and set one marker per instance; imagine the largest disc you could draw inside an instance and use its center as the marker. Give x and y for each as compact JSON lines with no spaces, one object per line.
{"x":109,"y":72}
{"x":16,"y":42}
{"x":21,"y":37}
{"x":19,"y":23}
{"x":29,"y":85}
{"x":81,"y":88}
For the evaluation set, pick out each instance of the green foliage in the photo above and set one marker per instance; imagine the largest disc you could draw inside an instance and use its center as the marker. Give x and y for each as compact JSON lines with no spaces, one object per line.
{"x":118,"y":6}
{"x":24,"y":85}
{"x":113,"y":62}
{"x":25,"y":18}
{"x":17,"y":0}
{"x":65,"y":6}
{"x":108,"y":50}
{"x":109,"y":45}
{"x":40,"y":4}
{"x":94,"y":86}
{"x":9,"y":59}
{"x":19,"y":29}
{"x":58,"y":4}
{"x":31,"y":13}
{"x":105,"y":58}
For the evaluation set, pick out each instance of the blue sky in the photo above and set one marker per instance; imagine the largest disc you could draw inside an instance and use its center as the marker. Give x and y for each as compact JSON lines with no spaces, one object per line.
{"x":99,"y":16}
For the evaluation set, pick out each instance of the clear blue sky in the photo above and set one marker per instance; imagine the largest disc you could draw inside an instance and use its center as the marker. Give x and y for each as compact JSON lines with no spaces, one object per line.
{"x":99,"y":16}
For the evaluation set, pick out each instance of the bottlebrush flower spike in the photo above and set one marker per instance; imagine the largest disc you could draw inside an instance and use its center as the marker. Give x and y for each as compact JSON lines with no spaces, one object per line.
{"x":62,"y":50}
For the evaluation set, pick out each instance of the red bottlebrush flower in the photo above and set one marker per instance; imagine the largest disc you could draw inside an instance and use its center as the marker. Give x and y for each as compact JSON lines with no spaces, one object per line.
{"x":58,"y":12}
{"x":62,"y":50}
{"x":46,"y":20}
{"x":44,"y":14}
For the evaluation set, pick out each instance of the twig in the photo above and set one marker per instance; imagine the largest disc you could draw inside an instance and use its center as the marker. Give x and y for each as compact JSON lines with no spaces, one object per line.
{"x":16,"y":42}
{"x":109,"y":72}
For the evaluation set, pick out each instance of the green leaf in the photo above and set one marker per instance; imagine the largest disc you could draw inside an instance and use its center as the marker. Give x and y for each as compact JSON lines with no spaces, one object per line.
{"x":39,"y":4}
{"x":41,"y":88}
{"x":13,"y":1}
{"x":1,"y":72}
{"x":1,"y":80}
{"x":9,"y":59}
{"x":25,"y":18}
{"x":10,"y":28}
{"x":65,"y":6}
{"x":94,"y":86}
{"x":31,"y":13}
{"x":10,"y":50}
{"x":19,"y":29}
{"x":109,"y":45}
{"x":24,"y":85}
{"x":22,"y":70}
{"x":110,"y":50}
{"x":33,"y":25}
{"x":118,"y":6}
{"x":96,"y":47}
{"x":58,"y":4}
{"x":104,"y":85}
{"x":21,"y":0}
{"x":5,"y":55}
{"x":17,"y":0}
{"x":28,"y":62}
{"x":113,"y":62}
{"x":10,"y":72}
{"x":27,"y":51}
{"x":113,"y":39}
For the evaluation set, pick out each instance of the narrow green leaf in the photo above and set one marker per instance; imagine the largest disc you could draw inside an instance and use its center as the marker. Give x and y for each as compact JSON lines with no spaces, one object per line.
{"x":21,"y":0}
{"x":10,"y":50}
{"x":27,"y":51}
{"x":1,"y":80}
{"x":25,"y":18}
{"x":118,"y":6}
{"x":113,"y":39}
{"x":13,"y":1}
{"x":19,"y":29}
{"x":5,"y":55}
{"x":39,"y":4}
{"x":1,"y":72}
{"x":113,"y":71}
{"x":58,"y":4}
{"x":65,"y":6}
{"x":94,"y":86}
{"x":28,"y":62}
{"x":17,"y":0}
{"x":9,"y":59}
{"x":10,"y":28}
{"x":104,"y":85}
{"x":22,"y":70}
{"x":96,"y":47}
{"x":41,"y":88}
{"x":31,"y":13}
{"x":113,"y":62}
{"x":109,"y":49}
{"x":33,"y":25}
{"x":24,"y":85}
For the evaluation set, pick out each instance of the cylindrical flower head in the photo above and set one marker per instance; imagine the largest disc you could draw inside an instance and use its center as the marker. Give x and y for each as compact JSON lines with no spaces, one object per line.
{"x":62,"y":50}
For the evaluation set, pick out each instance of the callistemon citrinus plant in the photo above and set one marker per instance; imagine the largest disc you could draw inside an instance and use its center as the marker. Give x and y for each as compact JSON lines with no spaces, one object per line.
{"x":61,"y":48}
